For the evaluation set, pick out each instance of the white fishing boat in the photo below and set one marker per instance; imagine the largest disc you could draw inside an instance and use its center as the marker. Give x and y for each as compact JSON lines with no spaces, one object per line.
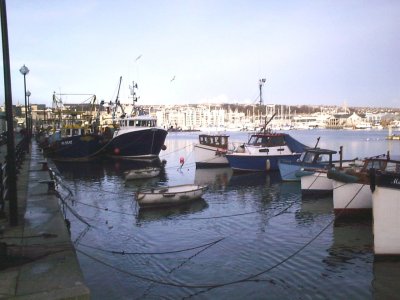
{"x":169,"y":196}
{"x":351,"y":190}
{"x":385,"y":187}
{"x":314,"y":181}
{"x":311,"y":158}
{"x":144,"y":173}
{"x":211,"y":150}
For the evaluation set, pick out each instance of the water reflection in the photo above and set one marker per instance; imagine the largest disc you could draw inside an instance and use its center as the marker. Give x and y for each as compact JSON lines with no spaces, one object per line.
{"x":91,"y":170}
{"x":351,"y":240}
{"x":254,"y":179}
{"x":216,"y":178}
{"x":386,"y":279}
{"x":312,"y":208}
{"x":157,"y":214}
{"x":97,"y":170}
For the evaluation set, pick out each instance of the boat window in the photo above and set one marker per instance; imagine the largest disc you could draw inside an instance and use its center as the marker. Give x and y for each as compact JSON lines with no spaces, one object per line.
{"x":68,"y":132}
{"x":131,"y":123}
{"x":393,"y":167}
{"x":323,"y":158}
{"x":253,"y":140}
{"x":75,"y":132}
{"x":376,"y":164}
{"x":309,"y":157}
{"x":302,"y":156}
{"x":224,"y":141}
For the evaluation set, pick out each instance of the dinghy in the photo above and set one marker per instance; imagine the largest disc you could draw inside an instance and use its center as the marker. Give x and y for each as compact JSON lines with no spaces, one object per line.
{"x":169,"y":196}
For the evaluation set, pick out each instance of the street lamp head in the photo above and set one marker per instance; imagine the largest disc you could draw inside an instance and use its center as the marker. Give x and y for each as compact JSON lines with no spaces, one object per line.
{"x":28,"y":93}
{"x":24,"y":70}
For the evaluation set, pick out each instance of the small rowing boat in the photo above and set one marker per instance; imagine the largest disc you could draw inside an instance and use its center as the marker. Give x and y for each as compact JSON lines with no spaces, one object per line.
{"x":169,"y":196}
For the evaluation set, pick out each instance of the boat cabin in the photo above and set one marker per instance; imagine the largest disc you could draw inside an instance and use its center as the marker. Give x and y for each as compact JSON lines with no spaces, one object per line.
{"x":73,"y":131}
{"x":219,"y":141}
{"x":134,"y":122}
{"x":267,"y":140}
{"x":138,"y":122}
{"x":317,"y":156}
{"x":382,"y":163}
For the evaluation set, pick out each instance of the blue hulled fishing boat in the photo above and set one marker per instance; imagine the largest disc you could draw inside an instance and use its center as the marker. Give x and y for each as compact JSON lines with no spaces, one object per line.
{"x":263,"y":151}
{"x":134,"y":136}
{"x":75,"y":136}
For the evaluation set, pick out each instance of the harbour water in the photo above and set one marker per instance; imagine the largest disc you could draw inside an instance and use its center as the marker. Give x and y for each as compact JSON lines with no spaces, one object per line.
{"x":251,"y":236}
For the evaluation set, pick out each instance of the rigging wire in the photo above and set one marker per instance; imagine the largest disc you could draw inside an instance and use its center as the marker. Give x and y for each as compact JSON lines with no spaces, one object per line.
{"x":152,"y":253}
{"x":211,"y":286}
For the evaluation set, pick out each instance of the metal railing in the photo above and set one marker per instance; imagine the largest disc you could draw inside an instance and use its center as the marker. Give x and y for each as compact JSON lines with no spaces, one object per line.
{"x":21,"y":149}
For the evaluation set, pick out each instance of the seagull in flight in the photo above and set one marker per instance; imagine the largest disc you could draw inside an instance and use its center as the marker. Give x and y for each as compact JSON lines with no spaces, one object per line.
{"x":173,"y":78}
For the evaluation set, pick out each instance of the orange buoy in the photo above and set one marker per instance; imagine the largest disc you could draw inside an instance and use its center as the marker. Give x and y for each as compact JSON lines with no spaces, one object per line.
{"x":116,"y":151}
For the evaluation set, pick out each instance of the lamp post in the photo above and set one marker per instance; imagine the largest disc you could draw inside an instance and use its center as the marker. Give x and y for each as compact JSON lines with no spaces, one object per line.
{"x":28,"y":94}
{"x":24,"y":71}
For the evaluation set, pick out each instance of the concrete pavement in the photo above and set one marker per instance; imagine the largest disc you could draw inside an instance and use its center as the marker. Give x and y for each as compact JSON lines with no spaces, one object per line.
{"x":37,"y":257}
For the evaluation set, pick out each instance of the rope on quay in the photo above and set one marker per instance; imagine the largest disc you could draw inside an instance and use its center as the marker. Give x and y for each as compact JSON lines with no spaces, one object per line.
{"x":78,"y":216}
{"x":153,"y":253}
{"x":63,"y":201}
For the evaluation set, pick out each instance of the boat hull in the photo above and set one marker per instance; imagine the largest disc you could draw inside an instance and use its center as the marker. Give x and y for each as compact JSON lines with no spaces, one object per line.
{"x":316,"y":183}
{"x":210,"y":157}
{"x":169,"y":196}
{"x":289,"y":170}
{"x":386,"y":211}
{"x":142,"y":143}
{"x":351,"y":197}
{"x":76,"y":148}
{"x":260,"y":163}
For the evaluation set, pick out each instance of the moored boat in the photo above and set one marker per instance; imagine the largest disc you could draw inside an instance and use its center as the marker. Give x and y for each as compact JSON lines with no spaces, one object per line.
{"x":263,"y":151}
{"x":134,"y":136}
{"x":76,"y":138}
{"x":311,"y":158}
{"x":351,"y":190}
{"x":169,"y":196}
{"x":211,"y":150}
{"x":314,"y":180}
{"x":385,"y":186}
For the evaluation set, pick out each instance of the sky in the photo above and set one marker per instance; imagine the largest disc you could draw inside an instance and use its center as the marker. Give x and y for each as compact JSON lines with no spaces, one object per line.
{"x":209,"y":51}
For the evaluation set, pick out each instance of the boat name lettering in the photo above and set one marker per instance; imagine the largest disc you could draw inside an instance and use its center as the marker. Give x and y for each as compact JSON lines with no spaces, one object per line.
{"x":66,"y":143}
{"x":396,"y":181}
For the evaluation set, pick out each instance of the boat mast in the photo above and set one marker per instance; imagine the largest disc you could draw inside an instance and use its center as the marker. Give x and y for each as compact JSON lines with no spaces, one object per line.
{"x":117,"y":102}
{"x":134,"y":97}
{"x":260,"y":84}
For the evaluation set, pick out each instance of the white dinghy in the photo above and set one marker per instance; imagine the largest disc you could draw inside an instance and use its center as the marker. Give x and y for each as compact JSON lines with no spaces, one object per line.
{"x":169,"y":196}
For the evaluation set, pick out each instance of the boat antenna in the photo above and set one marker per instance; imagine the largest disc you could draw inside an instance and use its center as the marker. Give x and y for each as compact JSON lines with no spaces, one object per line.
{"x":316,"y":144}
